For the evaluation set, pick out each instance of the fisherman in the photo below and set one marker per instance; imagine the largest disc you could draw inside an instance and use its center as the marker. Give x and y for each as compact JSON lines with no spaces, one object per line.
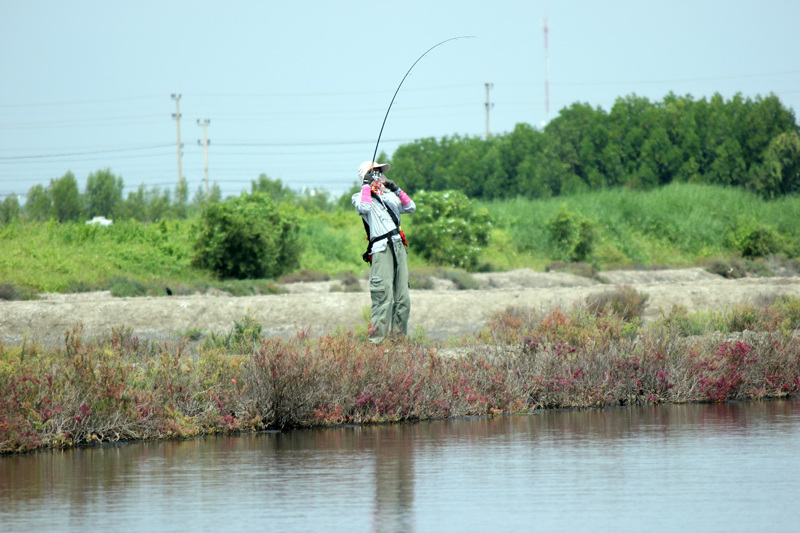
{"x":380,"y":204}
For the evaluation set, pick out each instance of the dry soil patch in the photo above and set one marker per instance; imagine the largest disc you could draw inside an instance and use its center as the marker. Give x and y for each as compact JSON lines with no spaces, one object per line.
{"x":314,"y":308}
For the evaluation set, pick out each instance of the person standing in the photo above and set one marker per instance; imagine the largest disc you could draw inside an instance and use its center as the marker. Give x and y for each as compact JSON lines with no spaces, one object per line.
{"x":380,"y":204}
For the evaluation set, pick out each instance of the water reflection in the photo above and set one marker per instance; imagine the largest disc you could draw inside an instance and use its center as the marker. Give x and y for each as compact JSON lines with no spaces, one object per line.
{"x":727,"y":466}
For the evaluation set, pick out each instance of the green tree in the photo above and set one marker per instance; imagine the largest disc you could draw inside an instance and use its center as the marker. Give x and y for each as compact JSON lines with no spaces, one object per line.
{"x":448,"y":230}
{"x":779,"y":173}
{"x":542,"y":174}
{"x":424,"y":164}
{"x":523,"y":141}
{"x":680,"y":122}
{"x":103,"y":194}
{"x":639,"y":144}
{"x":311,"y":200}
{"x":627,"y":121}
{"x":466,"y":172}
{"x":496,"y":181}
{"x":179,"y":209}
{"x":274,"y":189}
{"x":761,"y":121}
{"x":38,"y":203}
{"x":728,"y":166}
{"x":9,"y":209}
{"x":572,"y":236}
{"x":530,"y":179}
{"x":66,"y":198}
{"x":248,"y":237}
{"x":214,"y":194}
{"x":158,"y":204}
{"x":580,"y":135}
{"x":134,"y":207}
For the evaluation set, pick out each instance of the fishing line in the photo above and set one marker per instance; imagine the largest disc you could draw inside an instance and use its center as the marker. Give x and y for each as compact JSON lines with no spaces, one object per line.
{"x":375,"y":153}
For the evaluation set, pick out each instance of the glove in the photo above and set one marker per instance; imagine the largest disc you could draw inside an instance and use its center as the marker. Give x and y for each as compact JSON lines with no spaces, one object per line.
{"x":369,"y":177}
{"x":389,"y":184}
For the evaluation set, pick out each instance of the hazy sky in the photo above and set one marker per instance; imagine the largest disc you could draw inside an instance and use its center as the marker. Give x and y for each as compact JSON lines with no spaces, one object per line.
{"x":297,"y":90}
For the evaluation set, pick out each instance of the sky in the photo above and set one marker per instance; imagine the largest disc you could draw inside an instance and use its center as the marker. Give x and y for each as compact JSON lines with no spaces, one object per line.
{"x":298,"y":90}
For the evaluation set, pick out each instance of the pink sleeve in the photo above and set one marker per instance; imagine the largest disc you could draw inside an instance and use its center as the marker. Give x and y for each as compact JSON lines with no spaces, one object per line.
{"x":404,"y":199}
{"x":366,"y":194}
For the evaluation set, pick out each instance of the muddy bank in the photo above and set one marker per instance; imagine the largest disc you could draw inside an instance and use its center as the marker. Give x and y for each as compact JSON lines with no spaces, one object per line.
{"x":320,"y":308}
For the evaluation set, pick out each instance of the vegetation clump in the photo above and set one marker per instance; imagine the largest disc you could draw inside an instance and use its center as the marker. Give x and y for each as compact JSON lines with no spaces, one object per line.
{"x":249,"y":237}
{"x":118,"y":387}
{"x":449,"y":230}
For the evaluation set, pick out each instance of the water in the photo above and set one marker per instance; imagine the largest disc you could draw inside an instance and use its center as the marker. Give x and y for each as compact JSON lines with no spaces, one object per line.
{"x":728,"y":467}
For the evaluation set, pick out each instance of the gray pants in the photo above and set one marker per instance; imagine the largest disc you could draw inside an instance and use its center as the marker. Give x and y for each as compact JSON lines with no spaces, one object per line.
{"x":388,"y":287}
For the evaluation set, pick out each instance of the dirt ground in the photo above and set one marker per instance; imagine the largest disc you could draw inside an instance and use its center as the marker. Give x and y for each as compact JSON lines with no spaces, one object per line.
{"x":316,"y":308}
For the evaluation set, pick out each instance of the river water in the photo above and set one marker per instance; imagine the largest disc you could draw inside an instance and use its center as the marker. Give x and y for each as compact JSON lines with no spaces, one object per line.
{"x":722,"y":467}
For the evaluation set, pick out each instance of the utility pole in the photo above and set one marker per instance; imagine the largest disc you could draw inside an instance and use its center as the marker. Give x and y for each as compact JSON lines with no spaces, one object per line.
{"x":177,"y":116}
{"x":489,"y":105}
{"x":204,"y":143}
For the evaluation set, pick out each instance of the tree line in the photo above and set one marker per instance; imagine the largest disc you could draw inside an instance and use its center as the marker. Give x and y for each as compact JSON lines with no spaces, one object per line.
{"x":743,"y":142}
{"x":62,"y":201}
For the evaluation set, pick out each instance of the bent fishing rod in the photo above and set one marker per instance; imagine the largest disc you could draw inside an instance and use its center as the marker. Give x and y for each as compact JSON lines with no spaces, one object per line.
{"x":375,"y":153}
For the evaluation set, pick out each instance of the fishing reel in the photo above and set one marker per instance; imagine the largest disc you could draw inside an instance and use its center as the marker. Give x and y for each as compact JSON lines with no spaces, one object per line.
{"x":375,"y":175}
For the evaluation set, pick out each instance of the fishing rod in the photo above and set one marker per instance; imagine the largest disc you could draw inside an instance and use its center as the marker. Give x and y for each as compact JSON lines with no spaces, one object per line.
{"x":375,"y":153}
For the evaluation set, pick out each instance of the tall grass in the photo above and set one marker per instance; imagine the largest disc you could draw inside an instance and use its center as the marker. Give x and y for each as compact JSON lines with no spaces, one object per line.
{"x":55,"y":257}
{"x":333,"y":242}
{"x":677,"y":225}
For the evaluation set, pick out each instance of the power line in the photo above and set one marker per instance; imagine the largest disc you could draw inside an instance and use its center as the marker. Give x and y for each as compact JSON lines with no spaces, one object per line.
{"x":72,"y":154}
{"x":81,"y":102}
{"x":303,"y":143}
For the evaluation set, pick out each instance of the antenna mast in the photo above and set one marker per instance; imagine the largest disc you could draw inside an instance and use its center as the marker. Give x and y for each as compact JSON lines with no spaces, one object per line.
{"x":547,"y":75}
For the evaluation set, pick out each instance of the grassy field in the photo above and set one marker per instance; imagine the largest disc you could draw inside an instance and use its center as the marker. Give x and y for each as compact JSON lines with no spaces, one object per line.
{"x":679,"y":225}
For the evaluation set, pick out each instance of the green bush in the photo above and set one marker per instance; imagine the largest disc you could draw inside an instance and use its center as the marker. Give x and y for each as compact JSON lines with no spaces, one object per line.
{"x":571,"y":235}
{"x":449,"y":230}
{"x":679,"y":320}
{"x":248,"y":237}
{"x":754,"y":239}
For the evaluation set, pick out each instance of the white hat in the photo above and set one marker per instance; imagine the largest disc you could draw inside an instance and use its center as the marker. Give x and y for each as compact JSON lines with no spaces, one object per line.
{"x":366,"y":166}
